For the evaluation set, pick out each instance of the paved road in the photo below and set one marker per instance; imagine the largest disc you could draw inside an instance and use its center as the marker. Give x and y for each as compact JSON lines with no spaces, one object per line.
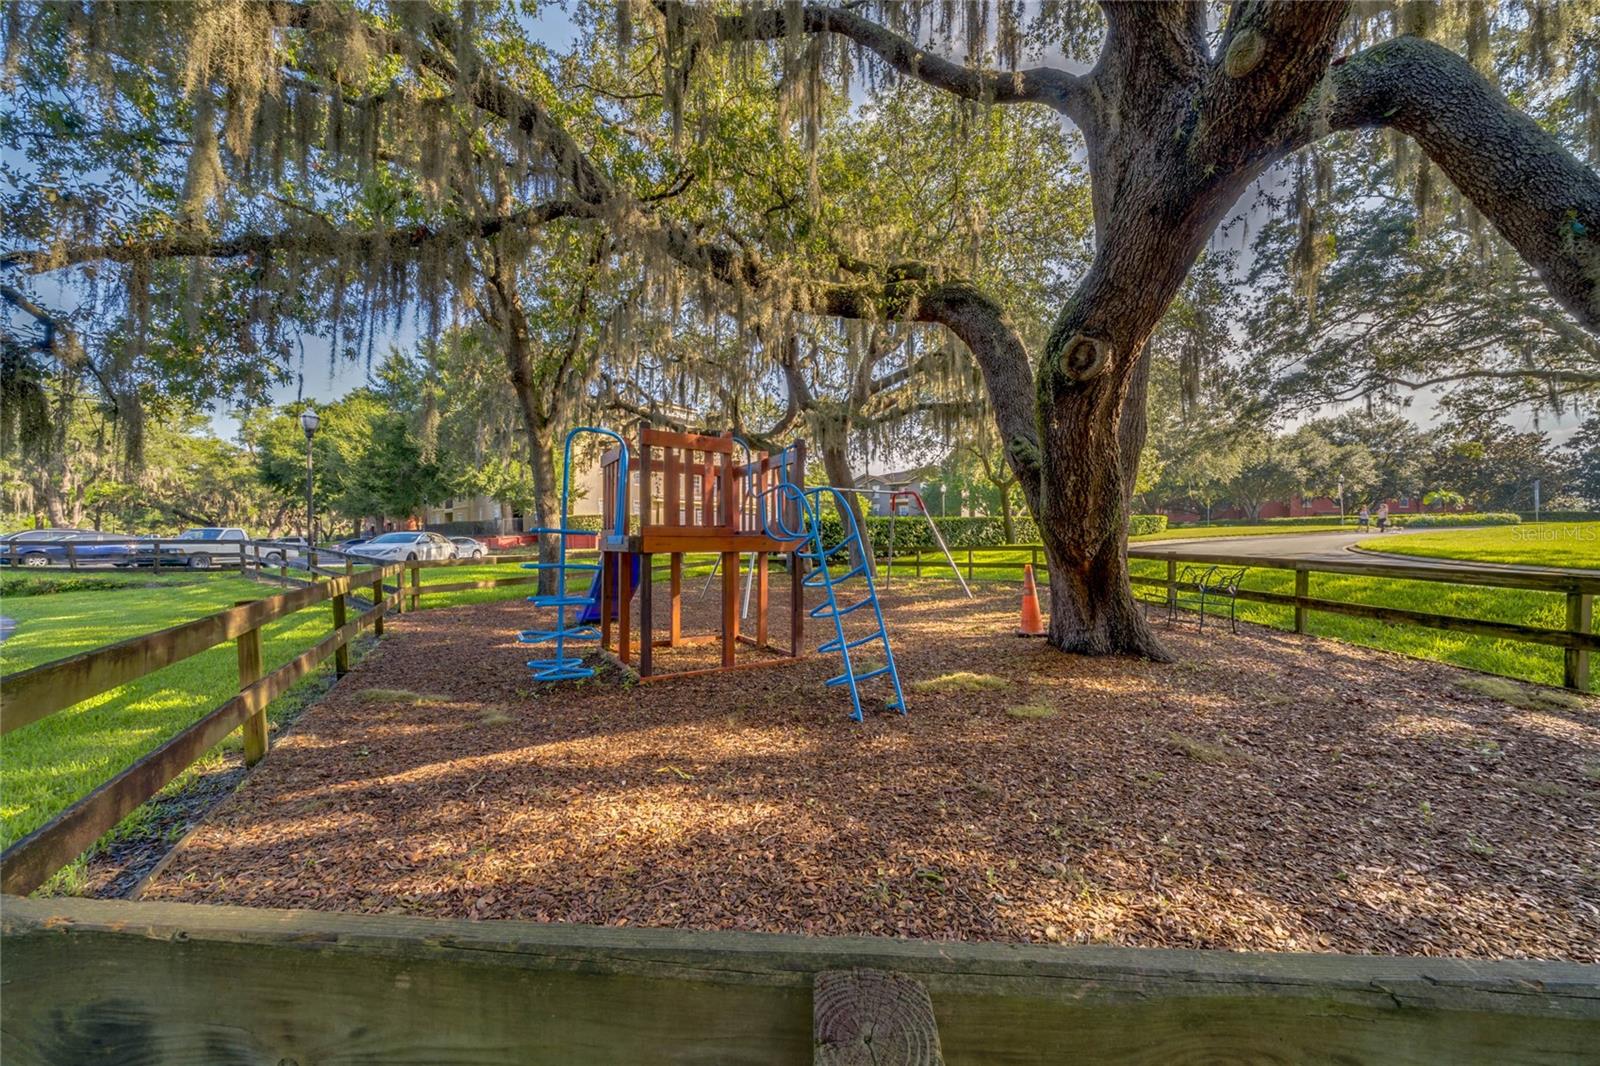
{"x":1274,"y":546}
{"x":1323,"y":547}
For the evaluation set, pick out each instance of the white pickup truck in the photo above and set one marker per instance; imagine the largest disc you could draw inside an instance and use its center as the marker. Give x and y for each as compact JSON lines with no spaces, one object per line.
{"x":210,"y":546}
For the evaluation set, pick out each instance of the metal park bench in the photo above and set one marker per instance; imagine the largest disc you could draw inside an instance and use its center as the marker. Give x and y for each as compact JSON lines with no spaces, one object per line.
{"x":1216,"y":582}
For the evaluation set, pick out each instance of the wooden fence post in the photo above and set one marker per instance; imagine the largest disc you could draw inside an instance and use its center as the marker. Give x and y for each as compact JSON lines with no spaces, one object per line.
{"x":416,"y":583}
{"x":255,"y":727}
{"x":1172,"y":585}
{"x":377,"y":601}
{"x":1575,"y":662}
{"x":969,"y":564}
{"x":1302,"y":591}
{"x":341,"y":653}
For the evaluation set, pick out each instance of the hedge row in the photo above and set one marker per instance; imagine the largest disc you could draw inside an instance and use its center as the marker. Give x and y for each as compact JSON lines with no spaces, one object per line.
{"x":1429,"y":521}
{"x":1560,"y":516}
{"x":913,"y":533}
{"x":1419,"y":521}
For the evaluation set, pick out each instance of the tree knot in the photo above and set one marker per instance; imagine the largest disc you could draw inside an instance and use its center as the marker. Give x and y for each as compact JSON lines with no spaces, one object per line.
{"x":1085,"y":357}
{"x":1244,"y":53}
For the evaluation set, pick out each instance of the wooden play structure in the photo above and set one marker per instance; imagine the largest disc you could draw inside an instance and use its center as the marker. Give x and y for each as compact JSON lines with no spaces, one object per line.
{"x":691,"y":493}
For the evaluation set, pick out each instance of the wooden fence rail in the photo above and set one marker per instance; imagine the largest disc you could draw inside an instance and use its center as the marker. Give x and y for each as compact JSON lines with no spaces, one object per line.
{"x":112,"y":981}
{"x":31,"y":695}
{"x":1577,"y":640}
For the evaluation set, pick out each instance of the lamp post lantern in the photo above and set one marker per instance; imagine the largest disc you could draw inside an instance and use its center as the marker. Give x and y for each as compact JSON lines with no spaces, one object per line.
{"x":309,"y":421}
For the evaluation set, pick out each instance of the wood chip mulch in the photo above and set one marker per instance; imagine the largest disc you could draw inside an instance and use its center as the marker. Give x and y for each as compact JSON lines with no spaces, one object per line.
{"x":1265,"y":792}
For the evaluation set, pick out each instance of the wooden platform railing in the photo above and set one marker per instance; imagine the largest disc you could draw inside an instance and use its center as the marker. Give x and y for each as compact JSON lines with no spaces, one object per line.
{"x":1577,"y":640}
{"x":112,"y":981}
{"x":31,"y":695}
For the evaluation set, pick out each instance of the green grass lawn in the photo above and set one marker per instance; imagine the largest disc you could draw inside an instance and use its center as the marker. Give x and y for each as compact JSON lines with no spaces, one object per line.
{"x":1532,"y":544}
{"x":47,"y":765}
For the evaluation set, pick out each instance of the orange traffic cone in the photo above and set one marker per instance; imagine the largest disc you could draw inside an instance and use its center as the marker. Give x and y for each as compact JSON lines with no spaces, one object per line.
{"x":1032,"y":623}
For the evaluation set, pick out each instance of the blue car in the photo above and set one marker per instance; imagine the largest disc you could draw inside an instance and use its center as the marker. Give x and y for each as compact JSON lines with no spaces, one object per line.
{"x":48,"y":547}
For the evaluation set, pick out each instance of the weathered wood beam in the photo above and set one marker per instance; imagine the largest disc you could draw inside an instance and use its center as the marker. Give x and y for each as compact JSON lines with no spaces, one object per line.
{"x":183,"y":983}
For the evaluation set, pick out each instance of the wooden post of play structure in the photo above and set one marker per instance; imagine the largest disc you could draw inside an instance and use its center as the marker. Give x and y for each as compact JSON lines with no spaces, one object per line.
{"x":675,"y":623}
{"x":624,"y":607}
{"x":647,"y":632}
{"x":608,"y":589}
{"x":730,"y":560}
{"x":761,"y":599}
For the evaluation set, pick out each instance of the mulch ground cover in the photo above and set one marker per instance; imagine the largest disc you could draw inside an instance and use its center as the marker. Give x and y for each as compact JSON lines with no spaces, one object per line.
{"x":1265,"y":791}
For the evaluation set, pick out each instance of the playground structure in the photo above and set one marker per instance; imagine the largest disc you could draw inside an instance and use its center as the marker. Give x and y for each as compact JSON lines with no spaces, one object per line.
{"x":687,"y":493}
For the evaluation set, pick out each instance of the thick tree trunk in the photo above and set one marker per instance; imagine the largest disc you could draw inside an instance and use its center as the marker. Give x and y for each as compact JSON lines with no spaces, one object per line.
{"x":1083,"y":523}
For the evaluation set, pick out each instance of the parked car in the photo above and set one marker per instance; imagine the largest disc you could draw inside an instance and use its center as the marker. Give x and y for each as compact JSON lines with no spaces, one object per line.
{"x":407,"y":546}
{"x":467,"y":548}
{"x":48,"y":547}
{"x":201,"y":548}
{"x":278,"y":550}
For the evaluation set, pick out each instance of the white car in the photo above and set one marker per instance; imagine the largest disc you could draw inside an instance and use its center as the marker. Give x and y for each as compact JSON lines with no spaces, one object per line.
{"x":406,"y":547}
{"x":467,"y":548}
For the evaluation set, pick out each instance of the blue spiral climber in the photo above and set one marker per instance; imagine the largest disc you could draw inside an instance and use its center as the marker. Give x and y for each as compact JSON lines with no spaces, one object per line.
{"x":563,"y":666}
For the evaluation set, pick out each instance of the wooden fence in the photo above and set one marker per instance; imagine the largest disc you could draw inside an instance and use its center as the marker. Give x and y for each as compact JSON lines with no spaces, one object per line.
{"x":31,"y":695}
{"x":1577,"y":640}
{"x":104,"y":980}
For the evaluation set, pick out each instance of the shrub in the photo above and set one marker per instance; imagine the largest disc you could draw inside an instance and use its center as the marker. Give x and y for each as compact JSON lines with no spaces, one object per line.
{"x":1430,"y":521}
{"x":46,"y":584}
{"x":1312,"y":520}
{"x":1142,"y":525}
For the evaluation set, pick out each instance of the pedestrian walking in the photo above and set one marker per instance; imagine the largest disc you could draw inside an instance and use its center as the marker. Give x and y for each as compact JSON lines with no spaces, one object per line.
{"x":1383,"y":518}
{"x":1366,"y":518}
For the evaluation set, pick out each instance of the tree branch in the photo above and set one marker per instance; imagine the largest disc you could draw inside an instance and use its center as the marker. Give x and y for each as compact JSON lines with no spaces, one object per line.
{"x":1050,"y":86}
{"x":1541,"y":198}
{"x":311,"y":239}
{"x":1559,"y":377}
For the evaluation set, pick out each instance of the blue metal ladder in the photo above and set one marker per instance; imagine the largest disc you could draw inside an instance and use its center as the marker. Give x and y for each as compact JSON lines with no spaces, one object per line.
{"x":563,"y":666}
{"x":823,"y":577}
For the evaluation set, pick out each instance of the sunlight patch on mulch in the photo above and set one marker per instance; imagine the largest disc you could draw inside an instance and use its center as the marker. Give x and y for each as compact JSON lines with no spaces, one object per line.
{"x":1265,"y":792}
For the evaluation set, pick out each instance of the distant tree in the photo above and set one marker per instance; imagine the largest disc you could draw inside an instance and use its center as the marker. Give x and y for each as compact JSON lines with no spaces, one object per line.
{"x":1326,"y":466}
{"x":1394,"y":446}
{"x":1582,"y":455}
{"x":1268,"y":470}
{"x":1495,"y":467}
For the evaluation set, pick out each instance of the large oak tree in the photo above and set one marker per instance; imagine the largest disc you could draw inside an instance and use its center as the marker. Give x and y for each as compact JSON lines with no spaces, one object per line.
{"x":1178,"y":118}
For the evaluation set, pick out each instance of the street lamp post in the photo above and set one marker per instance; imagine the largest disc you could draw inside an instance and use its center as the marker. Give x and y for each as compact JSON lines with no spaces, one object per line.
{"x":309,"y":421}
{"x":1341,"y":499}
